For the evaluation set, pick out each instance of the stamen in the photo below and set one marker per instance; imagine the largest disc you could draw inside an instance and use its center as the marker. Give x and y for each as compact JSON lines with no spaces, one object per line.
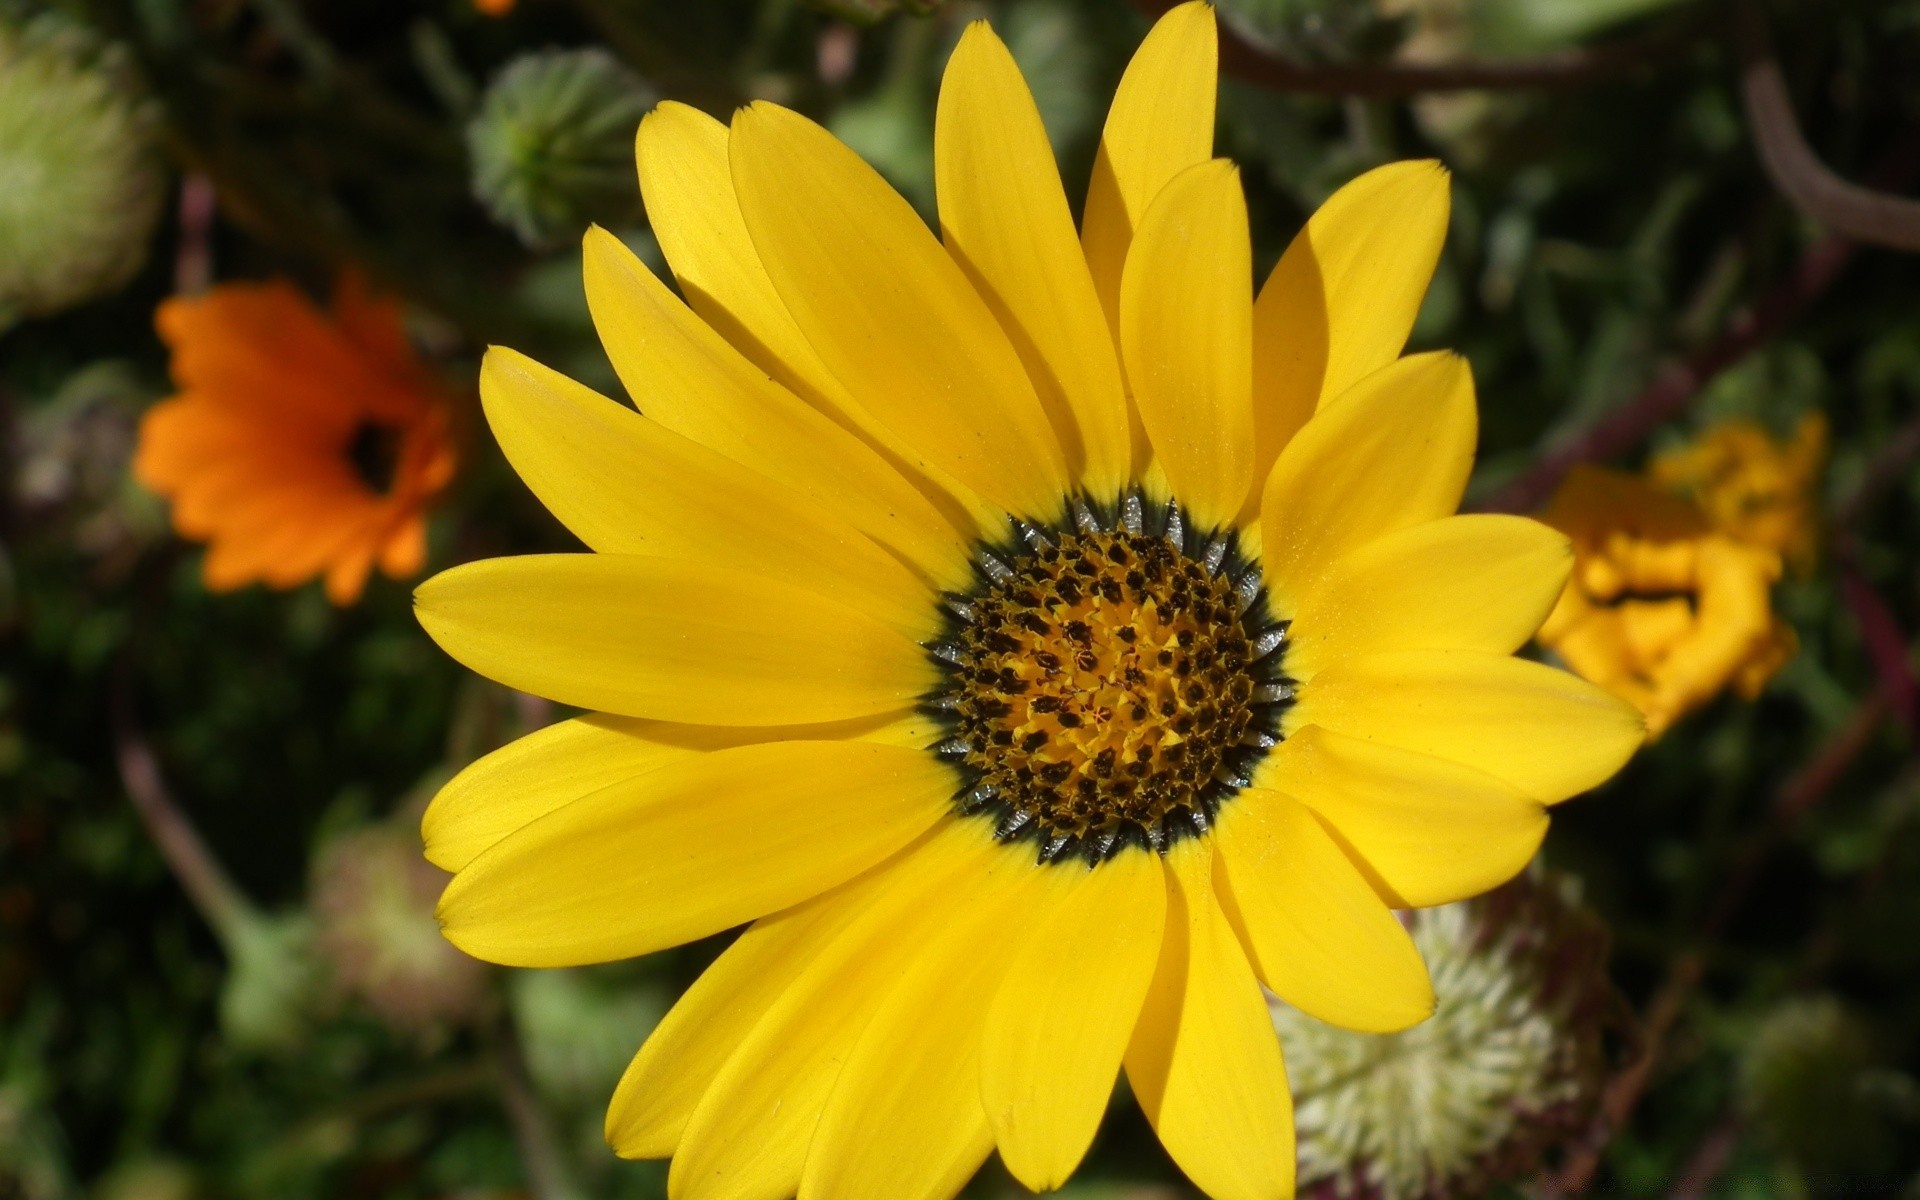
{"x":1107,"y":687}
{"x":1084,"y":518}
{"x":1247,"y":591}
{"x":1266,"y":643}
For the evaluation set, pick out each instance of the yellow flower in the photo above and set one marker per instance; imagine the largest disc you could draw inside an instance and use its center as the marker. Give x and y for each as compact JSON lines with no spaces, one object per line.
{"x":1032,"y":729}
{"x":302,"y":444}
{"x":1752,"y":486}
{"x":1661,"y":610}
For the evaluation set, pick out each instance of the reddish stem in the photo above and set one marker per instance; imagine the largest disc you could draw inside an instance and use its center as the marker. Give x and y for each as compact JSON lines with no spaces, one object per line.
{"x":1796,"y":797}
{"x":1885,"y":641}
{"x":1669,"y":395}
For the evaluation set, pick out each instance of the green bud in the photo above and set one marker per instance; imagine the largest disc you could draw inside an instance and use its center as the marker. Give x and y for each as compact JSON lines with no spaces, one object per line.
{"x":373,"y":898}
{"x":1509,"y":1064}
{"x":579,"y":1026}
{"x":149,"y":1179}
{"x":1813,"y":1087}
{"x":1316,"y":31}
{"x":552,"y":144}
{"x":84,"y":183}
{"x":268,"y":999}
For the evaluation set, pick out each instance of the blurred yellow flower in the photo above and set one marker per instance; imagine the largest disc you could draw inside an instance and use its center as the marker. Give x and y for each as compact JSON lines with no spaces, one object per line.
{"x":1033,"y":732}
{"x":1662,"y":610}
{"x":301,"y":443}
{"x":1752,"y":486}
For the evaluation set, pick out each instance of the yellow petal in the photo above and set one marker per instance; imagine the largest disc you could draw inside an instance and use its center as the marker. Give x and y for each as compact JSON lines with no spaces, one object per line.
{"x":687,"y":182}
{"x":691,"y":848}
{"x":889,"y":312}
{"x":689,"y":379}
{"x":526,"y":779}
{"x":529,"y":778}
{"x":1482,"y":582}
{"x":1546,"y":732}
{"x":905,"y":1119}
{"x":1204,"y":1061}
{"x":627,"y":485}
{"x":1186,"y":331}
{"x":1059,"y":1024}
{"x":1424,"y":830}
{"x":678,"y":641}
{"x":1160,"y":124}
{"x":1342,"y":299}
{"x":1004,"y":216}
{"x":1394,"y":451}
{"x":749,"y":1137}
{"x":666,"y":1079}
{"x":1318,"y":933}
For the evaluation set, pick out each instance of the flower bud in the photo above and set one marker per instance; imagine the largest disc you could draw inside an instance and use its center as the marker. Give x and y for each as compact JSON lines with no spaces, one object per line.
{"x":552,"y":144}
{"x":84,"y":183}
{"x":267,"y":1001}
{"x":1509,"y":1064}
{"x":373,"y":898}
{"x":1811,"y":1087}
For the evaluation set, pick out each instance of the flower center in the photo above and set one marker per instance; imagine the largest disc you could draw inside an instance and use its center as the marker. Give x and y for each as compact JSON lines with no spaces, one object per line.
{"x":373,"y":451}
{"x":1112,"y":681}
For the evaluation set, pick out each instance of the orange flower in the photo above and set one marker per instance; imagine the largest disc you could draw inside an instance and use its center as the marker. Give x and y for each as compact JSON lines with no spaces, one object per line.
{"x":1753,"y":486}
{"x":301,"y":443}
{"x":1662,"y":609}
{"x":494,"y":8}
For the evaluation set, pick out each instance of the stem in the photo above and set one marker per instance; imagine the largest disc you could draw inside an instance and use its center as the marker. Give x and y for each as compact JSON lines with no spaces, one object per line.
{"x":1864,"y":214}
{"x":1670,"y":394}
{"x":206,"y":882}
{"x":1708,"y":1159}
{"x":548,"y":1175}
{"x":1883,"y":471}
{"x":1885,"y":641}
{"x":193,"y":264}
{"x":1796,"y":797}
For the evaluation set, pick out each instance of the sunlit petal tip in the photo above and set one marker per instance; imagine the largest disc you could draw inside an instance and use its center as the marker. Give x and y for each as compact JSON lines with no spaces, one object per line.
{"x":1193,"y":18}
{"x":1161,"y":123}
{"x":1186,"y":334}
{"x":586,"y":884}
{"x":1424,"y":830}
{"x":1541,"y":729}
{"x":1058,"y":1027}
{"x":1005,"y":219}
{"x":890,"y":313}
{"x":1317,"y":931}
{"x":1481,"y":582}
{"x":669,"y":639}
{"x":1412,"y":421}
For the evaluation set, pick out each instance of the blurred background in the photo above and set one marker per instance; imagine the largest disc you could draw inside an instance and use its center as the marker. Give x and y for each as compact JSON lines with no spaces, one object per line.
{"x":1679,"y":252}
